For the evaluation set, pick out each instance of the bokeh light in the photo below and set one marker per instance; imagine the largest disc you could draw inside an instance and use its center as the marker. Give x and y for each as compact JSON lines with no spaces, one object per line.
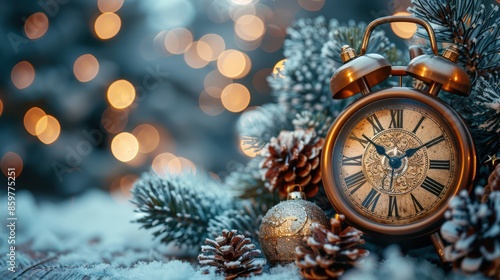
{"x":147,"y":136}
{"x":1,"y":107}
{"x":48,"y":129}
{"x":249,"y":27}
{"x":192,"y":56}
{"x":234,"y":64}
{"x":121,"y":94}
{"x":279,"y":69}
{"x":107,"y":25}
{"x":216,"y":44}
{"x":160,"y":163}
{"x":259,"y":80}
{"x":215,"y":82}
{"x":109,"y":6}
{"x":247,"y":149}
{"x":86,"y":68}
{"x":36,"y":25}
{"x":273,"y":39}
{"x":114,"y":120}
{"x":404,"y":30}
{"x":210,"y":105}
{"x":31,"y":119}
{"x":312,"y":5}
{"x":22,"y":74}
{"x":178,"y":40}
{"x":11,"y":160}
{"x":235,"y":97}
{"x":124,"y":146}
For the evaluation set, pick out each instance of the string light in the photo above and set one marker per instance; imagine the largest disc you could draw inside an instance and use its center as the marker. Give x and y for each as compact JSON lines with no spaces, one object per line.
{"x":234,"y":64}
{"x":11,"y":160}
{"x":107,"y":25}
{"x":22,"y":74}
{"x":404,"y":30}
{"x":216,"y":44}
{"x":148,"y":137}
{"x":178,"y":40}
{"x":235,"y":97}
{"x":86,"y":68}
{"x":48,"y":129}
{"x":249,"y":27}
{"x":279,"y":69}
{"x":210,"y":105}
{"x":124,"y":146}
{"x":121,"y":94}
{"x":36,"y":25}
{"x":312,"y":5}
{"x":110,"y":6}
{"x":31,"y":119}
{"x":215,"y":82}
{"x":114,"y":120}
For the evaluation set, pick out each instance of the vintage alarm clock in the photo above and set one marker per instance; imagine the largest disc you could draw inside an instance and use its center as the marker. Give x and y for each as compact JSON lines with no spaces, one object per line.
{"x":395,"y":157}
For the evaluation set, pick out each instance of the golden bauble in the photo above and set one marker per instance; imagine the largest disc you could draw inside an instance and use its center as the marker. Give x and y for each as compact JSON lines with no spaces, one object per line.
{"x":285,"y":225}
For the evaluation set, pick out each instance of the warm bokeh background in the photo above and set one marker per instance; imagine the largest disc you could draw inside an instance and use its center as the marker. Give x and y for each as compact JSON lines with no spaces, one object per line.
{"x":93,"y":93}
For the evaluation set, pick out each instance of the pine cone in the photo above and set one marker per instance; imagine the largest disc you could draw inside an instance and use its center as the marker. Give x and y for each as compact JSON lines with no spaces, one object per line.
{"x":233,"y":255}
{"x":329,"y":253}
{"x":473,"y":231}
{"x":293,"y":159}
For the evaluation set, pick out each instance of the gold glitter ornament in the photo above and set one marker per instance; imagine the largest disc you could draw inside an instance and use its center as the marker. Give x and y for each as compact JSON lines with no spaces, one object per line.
{"x":284,"y":227}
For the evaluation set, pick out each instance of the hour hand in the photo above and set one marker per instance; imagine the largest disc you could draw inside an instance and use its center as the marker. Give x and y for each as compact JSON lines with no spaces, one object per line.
{"x":380,"y":149}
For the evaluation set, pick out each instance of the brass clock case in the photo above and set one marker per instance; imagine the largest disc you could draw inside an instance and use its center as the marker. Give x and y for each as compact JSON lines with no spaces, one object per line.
{"x":464,"y":163}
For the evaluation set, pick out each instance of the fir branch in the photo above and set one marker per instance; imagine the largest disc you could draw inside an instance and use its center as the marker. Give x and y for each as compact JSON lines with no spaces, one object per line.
{"x":246,"y":219}
{"x":247,"y":184}
{"x":179,"y":208}
{"x":472,"y":26}
{"x":482,"y":110}
{"x":257,"y":127}
{"x":319,"y":121}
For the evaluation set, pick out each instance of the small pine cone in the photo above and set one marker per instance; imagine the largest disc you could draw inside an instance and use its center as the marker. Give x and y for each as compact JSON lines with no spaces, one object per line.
{"x":293,"y":158}
{"x":232,"y":255}
{"x":473,"y":231}
{"x":329,"y":253}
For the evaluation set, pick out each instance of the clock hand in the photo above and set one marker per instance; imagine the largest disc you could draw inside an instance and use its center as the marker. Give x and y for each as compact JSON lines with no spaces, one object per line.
{"x":412,"y":151}
{"x":392,"y":177}
{"x":380,"y":149}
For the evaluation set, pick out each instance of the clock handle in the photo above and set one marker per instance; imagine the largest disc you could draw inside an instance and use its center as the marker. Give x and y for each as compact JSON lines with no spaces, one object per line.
{"x":421,"y":22}
{"x":438,"y":243}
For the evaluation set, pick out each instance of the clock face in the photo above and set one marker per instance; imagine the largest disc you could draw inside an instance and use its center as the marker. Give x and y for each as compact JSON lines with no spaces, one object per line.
{"x":395,"y":162}
{"x":394,"y":159}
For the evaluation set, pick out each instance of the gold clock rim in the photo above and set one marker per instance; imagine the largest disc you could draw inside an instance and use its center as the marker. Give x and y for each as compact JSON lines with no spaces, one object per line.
{"x":465,"y":172}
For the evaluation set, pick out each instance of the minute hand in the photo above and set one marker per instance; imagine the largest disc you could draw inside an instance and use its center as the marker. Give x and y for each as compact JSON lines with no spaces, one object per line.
{"x":380,"y":149}
{"x":412,"y":151}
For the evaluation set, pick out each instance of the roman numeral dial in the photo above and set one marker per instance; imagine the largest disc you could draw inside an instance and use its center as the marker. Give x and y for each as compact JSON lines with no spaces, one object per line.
{"x":396,"y":164}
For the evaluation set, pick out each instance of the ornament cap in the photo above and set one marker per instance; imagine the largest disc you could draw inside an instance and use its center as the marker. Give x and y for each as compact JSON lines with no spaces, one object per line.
{"x":295,"y":193}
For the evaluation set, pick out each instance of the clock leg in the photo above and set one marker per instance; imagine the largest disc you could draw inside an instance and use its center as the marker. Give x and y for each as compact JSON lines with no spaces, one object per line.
{"x":438,"y":243}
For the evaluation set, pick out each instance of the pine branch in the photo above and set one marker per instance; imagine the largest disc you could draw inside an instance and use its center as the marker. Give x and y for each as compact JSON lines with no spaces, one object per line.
{"x":246,"y":219}
{"x":319,"y":121}
{"x":257,"y":127}
{"x":179,"y":208}
{"x":472,"y":26}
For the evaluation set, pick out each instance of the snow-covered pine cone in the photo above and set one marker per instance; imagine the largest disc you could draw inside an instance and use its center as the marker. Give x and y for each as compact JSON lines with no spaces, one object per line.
{"x":293,"y":158}
{"x":232,"y":255}
{"x":473,"y":231}
{"x":329,"y":253}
